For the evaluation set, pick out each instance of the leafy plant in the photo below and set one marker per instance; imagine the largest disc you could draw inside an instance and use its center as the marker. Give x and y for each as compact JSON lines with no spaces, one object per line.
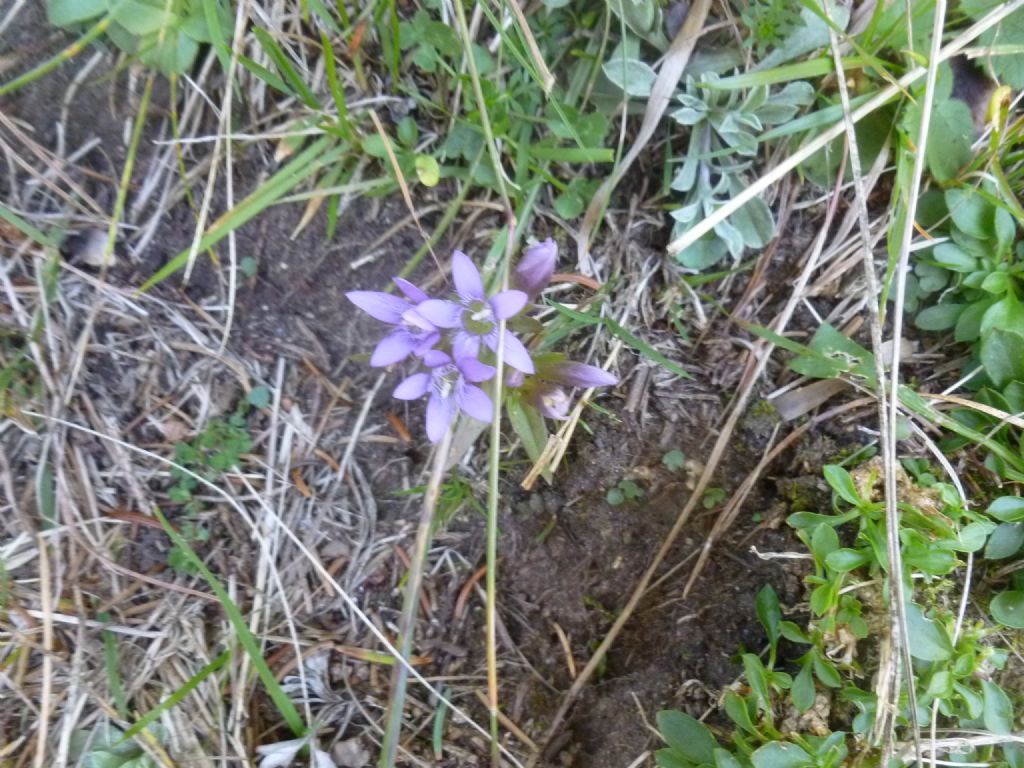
{"x":216,"y":450}
{"x":105,"y":746}
{"x":674,"y":460}
{"x":625,"y":490}
{"x":770,"y":23}
{"x":164,"y":34}
{"x":955,"y":669}
{"x":979,"y":271}
{"x":724,"y":127}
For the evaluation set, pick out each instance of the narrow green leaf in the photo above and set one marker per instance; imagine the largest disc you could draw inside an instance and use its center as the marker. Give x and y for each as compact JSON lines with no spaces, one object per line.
{"x":177,"y":696}
{"x":245,"y":637}
{"x":284,"y":66}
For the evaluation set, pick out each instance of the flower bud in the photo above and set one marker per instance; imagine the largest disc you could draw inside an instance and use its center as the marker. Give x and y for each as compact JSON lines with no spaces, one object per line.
{"x":578,"y":375}
{"x":535,"y":268}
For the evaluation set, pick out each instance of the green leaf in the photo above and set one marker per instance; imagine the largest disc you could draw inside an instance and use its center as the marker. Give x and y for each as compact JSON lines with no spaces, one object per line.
{"x":793,"y":633}
{"x":427,"y":170}
{"x":569,"y":205}
{"x":669,"y":758}
{"x":950,"y":138}
{"x":644,"y":348}
{"x":996,"y":283}
{"x":845,"y":560}
{"x":142,"y":18}
{"x":952,"y":256}
{"x":826,"y":671}
{"x":738,"y":711}
{"x":1005,"y":541}
{"x":1009,"y":509}
{"x":1008,"y":608}
{"x":802,"y":693}
{"x":65,"y":13}
{"x":687,"y":736}
{"x":928,"y":640}
{"x":842,"y":483}
{"x":632,"y":76}
{"x":724,"y":759}
{"x":998,"y":714}
{"x":930,"y":560}
{"x":824,"y":541}
{"x":778,"y":754}
{"x":971,"y":213}
{"x":674,"y":460}
{"x":258,"y":397}
{"x":768,"y":612}
{"x":1002,"y":354}
{"x":973,"y":536}
{"x":940,"y":317}
{"x":1008,"y":32}
{"x":812,"y":33}
{"x":755,"y":223}
{"x":757,"y":676}
{"x":615,"y":497}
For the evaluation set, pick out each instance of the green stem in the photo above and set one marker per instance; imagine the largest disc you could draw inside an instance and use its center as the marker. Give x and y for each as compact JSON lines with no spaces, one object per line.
{"x":67,"y":54}
{"x":410,"y":604}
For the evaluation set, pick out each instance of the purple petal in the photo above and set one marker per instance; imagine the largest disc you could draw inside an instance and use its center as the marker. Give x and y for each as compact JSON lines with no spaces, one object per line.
{"x":393,"y":348}
{"x":440,"y":412}
{"x":411,"y":291}
{"x":515,"y":379}
{"x":552,"y":401}
{"x":475,"y":371}
{"x":465,"y":345}
{"x":508,"y":304}
{"x":579,"y":375}
{"x":442,"y":313}
{"x":424,"y":345}
{"x":535,"y":269}
{"x":474,"y":402}
{"x":383,"y":306}
{"x":435,"y":357}
{"x":412,"y":317}
{"x":467,"y":277}
{"x":516,"y":354}
{"x":413,"y":388}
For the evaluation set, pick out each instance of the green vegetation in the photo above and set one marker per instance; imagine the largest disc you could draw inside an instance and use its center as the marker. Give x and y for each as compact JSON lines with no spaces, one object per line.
{"x":498,"y":125}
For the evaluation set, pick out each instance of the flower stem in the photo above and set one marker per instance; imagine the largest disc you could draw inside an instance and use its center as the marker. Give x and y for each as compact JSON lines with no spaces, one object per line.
{"x":410,"y":604}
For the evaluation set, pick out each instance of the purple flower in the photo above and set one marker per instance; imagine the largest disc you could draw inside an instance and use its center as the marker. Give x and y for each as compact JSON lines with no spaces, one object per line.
{"x":535,"y":268}
{"x":550,"y":400}
{"x":474,"y":317}
{"x":542,"y":390}
{"x":412,"y":334}
{"x":577,"y":374}
{"x":450,"y":391}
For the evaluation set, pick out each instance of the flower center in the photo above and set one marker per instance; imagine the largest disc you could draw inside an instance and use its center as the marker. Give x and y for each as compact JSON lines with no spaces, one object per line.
{"x":445,"y":379}
{"x":478,"y":319}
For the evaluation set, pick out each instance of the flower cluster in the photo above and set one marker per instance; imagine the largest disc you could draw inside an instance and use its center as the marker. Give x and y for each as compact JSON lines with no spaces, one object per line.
{"x":456,"y":339}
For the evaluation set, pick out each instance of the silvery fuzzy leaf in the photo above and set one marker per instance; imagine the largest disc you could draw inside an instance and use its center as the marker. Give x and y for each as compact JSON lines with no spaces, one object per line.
{"x":687,"y":214}
{"x":732,"y":238}
{"x":633,"y":76}
{"x":749,"y":119}
{"x":687,"y":116}
{"x":755,"y":223}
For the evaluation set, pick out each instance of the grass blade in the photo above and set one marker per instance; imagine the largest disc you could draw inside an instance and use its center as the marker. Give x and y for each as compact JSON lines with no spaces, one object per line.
{"x":245,"y":637}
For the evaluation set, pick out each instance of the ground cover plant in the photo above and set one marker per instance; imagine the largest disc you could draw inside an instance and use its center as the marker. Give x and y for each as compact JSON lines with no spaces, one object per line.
{"x":560,"y":383}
